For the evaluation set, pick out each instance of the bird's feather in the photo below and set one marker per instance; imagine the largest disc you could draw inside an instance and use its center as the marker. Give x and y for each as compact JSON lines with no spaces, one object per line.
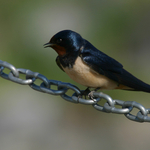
{"x":58,"y":63}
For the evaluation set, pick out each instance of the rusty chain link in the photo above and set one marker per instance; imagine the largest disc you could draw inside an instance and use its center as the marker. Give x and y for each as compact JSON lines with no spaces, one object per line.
{"x":62,"y":88}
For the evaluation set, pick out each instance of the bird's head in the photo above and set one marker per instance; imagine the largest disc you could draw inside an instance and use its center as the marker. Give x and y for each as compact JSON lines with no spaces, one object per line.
{"x":65,"y":42}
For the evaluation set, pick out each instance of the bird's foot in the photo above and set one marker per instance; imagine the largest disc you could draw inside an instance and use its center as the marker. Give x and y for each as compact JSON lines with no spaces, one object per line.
{"x":90,"y":95}
{"x":84,"y":93}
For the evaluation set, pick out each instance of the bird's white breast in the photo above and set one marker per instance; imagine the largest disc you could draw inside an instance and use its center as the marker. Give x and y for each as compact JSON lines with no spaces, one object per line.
{"x":86,"y":76}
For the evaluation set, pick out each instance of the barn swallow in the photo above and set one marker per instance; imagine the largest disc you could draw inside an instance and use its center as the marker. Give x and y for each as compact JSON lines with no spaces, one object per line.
{"x":90,"y":67}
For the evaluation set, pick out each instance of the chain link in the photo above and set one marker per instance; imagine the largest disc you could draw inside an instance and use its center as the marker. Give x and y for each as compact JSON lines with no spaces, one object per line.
{"x":62,"y":88}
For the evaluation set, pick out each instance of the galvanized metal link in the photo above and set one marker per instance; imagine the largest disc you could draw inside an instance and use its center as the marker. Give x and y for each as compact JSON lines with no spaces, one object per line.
{"x":76,"y":97}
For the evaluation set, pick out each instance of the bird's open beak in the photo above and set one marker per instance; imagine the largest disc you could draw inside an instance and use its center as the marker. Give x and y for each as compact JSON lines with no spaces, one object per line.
{"x":48,"y":45}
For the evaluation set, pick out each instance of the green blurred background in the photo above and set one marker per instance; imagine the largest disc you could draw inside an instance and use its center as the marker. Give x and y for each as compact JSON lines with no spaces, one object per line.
{"x":31,"y":120}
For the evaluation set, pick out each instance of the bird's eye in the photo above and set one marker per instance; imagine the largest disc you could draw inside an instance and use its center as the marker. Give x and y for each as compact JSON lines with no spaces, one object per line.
{"x":59,"y":40}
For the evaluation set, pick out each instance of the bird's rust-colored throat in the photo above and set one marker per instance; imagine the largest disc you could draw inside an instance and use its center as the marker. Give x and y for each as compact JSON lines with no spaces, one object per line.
{"x":59,"y":49}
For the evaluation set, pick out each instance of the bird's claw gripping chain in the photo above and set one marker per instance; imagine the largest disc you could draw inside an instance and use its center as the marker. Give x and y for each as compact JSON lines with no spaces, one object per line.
{"x":62,"y":88}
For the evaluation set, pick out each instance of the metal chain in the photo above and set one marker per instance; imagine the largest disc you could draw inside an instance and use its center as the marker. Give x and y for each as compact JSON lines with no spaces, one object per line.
{"x":62,"y":88}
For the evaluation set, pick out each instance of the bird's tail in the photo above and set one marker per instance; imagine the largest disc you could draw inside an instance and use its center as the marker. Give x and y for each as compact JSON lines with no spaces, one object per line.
{"x":133,"y":83}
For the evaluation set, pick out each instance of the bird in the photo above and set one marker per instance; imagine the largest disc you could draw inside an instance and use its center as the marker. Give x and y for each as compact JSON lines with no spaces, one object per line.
{"x":90,"y":67}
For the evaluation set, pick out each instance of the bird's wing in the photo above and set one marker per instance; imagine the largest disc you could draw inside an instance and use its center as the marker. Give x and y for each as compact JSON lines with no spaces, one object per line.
{"x":58,"y":63}
{"x":101,"y":63}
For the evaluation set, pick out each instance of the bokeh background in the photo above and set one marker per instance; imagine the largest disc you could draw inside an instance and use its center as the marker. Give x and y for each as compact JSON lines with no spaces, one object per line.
{"x":30,"y":120}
